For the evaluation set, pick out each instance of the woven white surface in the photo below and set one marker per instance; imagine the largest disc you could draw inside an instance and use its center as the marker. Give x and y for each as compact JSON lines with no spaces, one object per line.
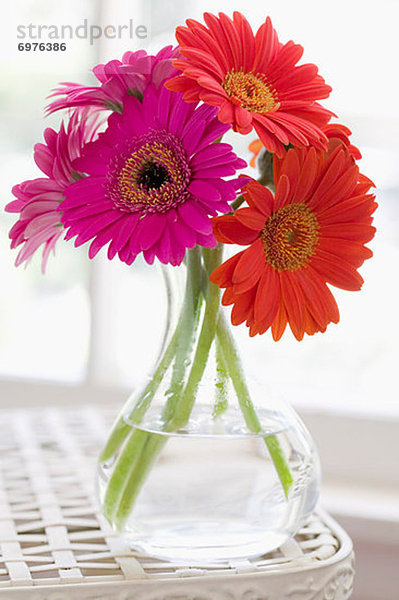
{"x":55,"y":544}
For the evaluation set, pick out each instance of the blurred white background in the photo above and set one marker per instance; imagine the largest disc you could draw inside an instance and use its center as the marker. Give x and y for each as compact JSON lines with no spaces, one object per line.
{"x":94,"y":323}
{"x":71,"y":324}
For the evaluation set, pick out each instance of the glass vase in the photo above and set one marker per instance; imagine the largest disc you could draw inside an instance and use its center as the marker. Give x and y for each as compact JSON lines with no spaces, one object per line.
{"x":204,"y":463}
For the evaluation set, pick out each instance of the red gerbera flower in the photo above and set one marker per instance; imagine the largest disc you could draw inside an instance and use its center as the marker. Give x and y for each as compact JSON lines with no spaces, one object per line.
{"x":310,"y":233}
{"x":332,"y":130}
{"x":254,"y":80}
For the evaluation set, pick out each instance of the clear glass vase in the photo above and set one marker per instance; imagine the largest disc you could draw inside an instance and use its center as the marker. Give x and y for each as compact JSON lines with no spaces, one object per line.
{"x":203,"y":463}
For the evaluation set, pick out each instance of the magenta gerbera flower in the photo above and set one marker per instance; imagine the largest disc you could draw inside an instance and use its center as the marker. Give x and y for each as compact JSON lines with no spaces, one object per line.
{"x":155,"y":176}
{"x":38,"y":199}
{"x":118,"y":79}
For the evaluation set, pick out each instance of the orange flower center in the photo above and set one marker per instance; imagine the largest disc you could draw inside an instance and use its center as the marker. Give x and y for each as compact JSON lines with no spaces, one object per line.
{"x":252,"y":91}
{"x":290,"y":237}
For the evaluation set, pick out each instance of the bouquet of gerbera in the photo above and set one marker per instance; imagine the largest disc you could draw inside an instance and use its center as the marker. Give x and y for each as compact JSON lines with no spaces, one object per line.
{"x":139,"y":166}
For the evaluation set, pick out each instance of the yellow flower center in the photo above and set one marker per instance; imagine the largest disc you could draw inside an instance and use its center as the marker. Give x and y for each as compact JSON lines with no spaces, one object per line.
{"x":252,"y":91}
{"x":290,"y":237}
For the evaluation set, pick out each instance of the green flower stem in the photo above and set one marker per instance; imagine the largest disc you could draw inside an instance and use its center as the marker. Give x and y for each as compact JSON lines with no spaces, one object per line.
{"x":237,"y":376}
{"x":121,"y":429}
{"x":119,"y":487}
{"x":237,"y":202}
{"x":154,"y":442}
{"x":131,"y":452}
{"x":178,"y":412}
{"x":188,"y":324}
{"x":125,"y":465}
{"x":222,"y":379}
{"x":142,"y":447}
{"x":185,"y":405}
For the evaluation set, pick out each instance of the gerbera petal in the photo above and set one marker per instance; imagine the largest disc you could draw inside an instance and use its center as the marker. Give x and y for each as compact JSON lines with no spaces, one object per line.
{"x":333,"y":170}
{"x":247,"y":41}
{"x":315,"y":292}
{"x":39,"y":200}
{"x":229,"y":230}
{"x":267,"y":298}
{"x":280,"y":323}
{"x":250,"y":218}
{"x":149,"y":230}
{"x":204,"y":189}
{"x":183,"y":233}
{"x":219,"y":35}
{"x":243,"y":307}
{"x":195,"y":217}
{"x":352,"y":210}
{"x":249,"y":268}
{"x":126,"y":228}
{"x":118,"y":79}
{"x":259,"y":197}
{"x":350,"y":231}
{"x":343,"y":187}
{"x":336,"y":271}
{"x":271,"y":142}
{"x":293,"y":301}
{"x":267,"y":46}
{"x":282,"y":194}
{"x":102,"y":238}
{"x":307,"y":177}
{"x":223,"y":275}
{"x":243,"y":119}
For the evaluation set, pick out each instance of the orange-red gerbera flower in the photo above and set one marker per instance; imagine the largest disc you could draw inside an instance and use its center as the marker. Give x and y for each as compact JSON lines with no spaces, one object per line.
{"x":254,"y":80}
{"x":310,"y":233}
{"x":332,"y":130}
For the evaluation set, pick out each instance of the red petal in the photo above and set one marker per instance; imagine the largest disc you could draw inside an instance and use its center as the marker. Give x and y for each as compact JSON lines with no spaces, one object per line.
{"x":282,"y":194}
{"x":228,"y":230}
{"x":336,"y":271}
{"x":251,"y":218}
{"x":249,"y":268}
{"x":267,"y":297}
{"x":243,"y":307}
{"x":223,"y":275}
{"x":293,"y":301}
{"x":259,"y":197}
{"x":280,"y":322}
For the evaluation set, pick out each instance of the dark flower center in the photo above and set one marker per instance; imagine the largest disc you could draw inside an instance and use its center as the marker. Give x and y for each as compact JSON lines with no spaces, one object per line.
{"x":153,"y":175}
{"x":150,"y":174}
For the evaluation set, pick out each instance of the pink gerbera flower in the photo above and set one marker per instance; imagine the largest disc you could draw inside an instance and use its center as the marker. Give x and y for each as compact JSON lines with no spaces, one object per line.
{"x":155,"y":176}
{"x":38,"y":199}
{"x":118,"y":79}
{"x":254,"y":80}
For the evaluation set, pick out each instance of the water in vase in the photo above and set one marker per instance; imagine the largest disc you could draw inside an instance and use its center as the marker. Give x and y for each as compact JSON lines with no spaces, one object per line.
{"x":213,"y":491}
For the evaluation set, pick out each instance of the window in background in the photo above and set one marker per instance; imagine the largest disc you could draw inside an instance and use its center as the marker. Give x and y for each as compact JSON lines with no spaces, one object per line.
{"x":44,"y":320}
{"x":353,"y":364}
{"x":47,"y":318}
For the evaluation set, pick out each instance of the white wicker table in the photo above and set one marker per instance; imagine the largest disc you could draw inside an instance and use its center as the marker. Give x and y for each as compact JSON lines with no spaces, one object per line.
{"x":55,"y":545}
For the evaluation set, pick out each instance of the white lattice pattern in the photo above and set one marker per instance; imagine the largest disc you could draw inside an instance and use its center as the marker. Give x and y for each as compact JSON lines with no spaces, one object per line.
{"x":56,"y":545}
